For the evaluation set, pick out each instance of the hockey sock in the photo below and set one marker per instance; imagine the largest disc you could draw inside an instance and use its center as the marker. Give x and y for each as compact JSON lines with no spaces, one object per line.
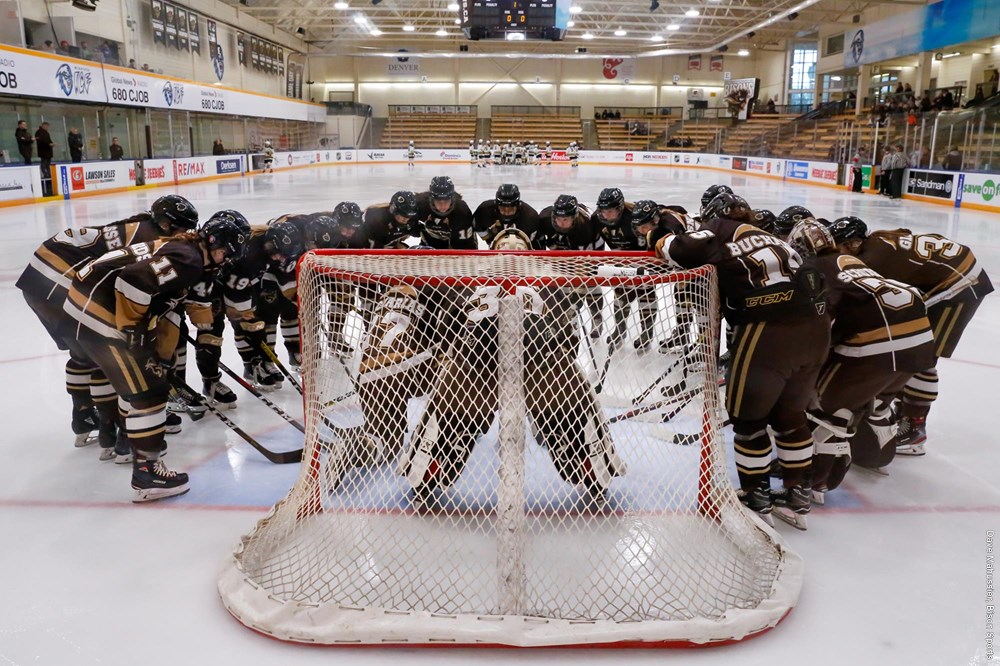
{"x":145,"y":426}
{"x":919,"y":393}
{"x":795,"y":452}
{"x":752,"y":446}
{"x":78,"y":383}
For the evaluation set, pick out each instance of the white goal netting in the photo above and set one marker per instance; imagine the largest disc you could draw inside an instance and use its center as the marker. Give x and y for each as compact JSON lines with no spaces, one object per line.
{"x":509,"y":448}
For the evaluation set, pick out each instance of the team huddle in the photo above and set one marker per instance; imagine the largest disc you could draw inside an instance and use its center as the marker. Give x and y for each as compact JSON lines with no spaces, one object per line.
{"x":833,"y":332}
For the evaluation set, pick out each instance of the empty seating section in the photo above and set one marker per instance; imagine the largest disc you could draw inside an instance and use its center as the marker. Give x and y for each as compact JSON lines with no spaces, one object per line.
{"x":559,"y":129}
{"x":437,"y":130}
{"x":633,"y":133}
{"x":696,"y":136}
{"x":748,"y":137}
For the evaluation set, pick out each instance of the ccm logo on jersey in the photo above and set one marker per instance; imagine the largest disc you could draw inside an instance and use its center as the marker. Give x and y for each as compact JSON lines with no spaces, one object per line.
{"x":770,"y":299}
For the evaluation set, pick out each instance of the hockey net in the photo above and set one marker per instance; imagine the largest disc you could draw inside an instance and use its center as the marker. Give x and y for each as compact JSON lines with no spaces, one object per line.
{"x":491,"y":460}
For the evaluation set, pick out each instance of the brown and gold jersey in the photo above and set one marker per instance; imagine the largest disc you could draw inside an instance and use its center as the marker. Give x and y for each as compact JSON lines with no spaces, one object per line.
{"x":58,"y":258}
{"x":133,"y":286}
{"x":874,"y":317}
{"x":940,"y":268}
{"x":757,"y":271}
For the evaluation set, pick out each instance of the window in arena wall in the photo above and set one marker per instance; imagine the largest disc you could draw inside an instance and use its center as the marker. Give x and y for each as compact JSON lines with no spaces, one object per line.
{"x":834,"y":45}
{"x":802,"y":81}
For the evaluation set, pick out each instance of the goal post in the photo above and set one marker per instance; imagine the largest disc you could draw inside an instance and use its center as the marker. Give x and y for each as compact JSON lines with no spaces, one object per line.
{"x":510,"y":448}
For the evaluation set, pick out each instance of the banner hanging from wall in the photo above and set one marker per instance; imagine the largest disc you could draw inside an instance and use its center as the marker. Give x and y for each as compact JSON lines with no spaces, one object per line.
{"x":694,"y":62}
{"x":716,"y":64}
{"x":740,"y":95}
{"x":71,"y":80}
{"x":618,"y":69}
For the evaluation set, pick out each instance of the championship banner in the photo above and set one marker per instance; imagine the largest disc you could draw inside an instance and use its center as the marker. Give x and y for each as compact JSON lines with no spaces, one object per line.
{"x":241,"y":49}
{"x":182,"y":30}
{"x":739,"y":95}
{"x":715,"y":64}
{"x":159,"y":36}
{"x":193,"y":36}
{"x":169,"y":21}
{"x":295,"y":75}
{"x":694,"y":62}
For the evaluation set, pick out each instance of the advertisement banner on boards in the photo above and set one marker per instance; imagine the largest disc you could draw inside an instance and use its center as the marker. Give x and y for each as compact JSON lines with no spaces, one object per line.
{"x":824,"y":172}
{"x":982,"y":189}
{"x":19,"y":183}
{"x":937,"y":184}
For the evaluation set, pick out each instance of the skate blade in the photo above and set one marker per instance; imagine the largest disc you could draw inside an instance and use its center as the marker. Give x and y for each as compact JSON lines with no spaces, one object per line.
{"x":84,"y":439}
{"x":875,"y":471}
{"x":912,"y":451}
{"x":223,"y":405}
{"x":818,"y":497}
{"x":123,"y":458}
{"x":796,"y":520}
{"x":107,"y":454}
{"x":153,"y":494}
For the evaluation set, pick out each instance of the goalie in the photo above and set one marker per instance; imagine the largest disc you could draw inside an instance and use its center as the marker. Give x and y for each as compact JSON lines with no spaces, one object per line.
{"x":564,"y":412}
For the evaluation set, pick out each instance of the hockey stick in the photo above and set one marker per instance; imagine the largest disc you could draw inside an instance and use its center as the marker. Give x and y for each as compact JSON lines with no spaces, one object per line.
{"x":689,"y":439}
{"x":271,"y":356}
{"x":617,"y":336}
{"x":257,"y":394}
{"x":683,"y":393}
{"x":649,"y":389}
{"x":277,"y":458}
{"x":585,"y":341}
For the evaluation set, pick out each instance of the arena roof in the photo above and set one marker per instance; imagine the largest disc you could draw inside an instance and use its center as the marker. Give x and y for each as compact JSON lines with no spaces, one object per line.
{"x":383,"y":27}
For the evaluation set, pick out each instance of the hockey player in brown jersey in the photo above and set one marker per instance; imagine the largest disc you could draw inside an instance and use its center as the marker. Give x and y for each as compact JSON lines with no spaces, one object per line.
{"x":881,"y":336}
{"x":953,"y":285}
{"x":50,"y":272}
{"x":120,"y":315}
{"x":781,"y":336}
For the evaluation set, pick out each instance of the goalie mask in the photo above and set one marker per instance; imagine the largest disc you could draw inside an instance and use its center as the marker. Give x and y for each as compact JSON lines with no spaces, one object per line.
{"x":811,"y":239}
{"x":511,"y":239}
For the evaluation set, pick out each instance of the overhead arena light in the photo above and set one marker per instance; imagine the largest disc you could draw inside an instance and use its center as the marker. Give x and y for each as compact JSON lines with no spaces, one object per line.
{"x":570,"y":24}
{"x":620,"y":33}
{"x":408,"y":28}
{"x":340,"y":5}
{"x":453,"y":7}
{"x":655,"y":38}
{"x":575,"y":9}
{"x":441,"y":32}
{"x":743,"y":52}
{"x":673,"y":26}
{"x":691,"y":13}
{"x":586,"y":35}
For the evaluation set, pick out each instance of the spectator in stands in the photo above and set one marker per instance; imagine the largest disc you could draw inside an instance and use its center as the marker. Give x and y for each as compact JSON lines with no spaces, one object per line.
{"x":925,"y":103}
{"x":770,"y":107}
{"x":218,"y":148}
{"x":45,"y":146}
{"x":948,"y":101}
{"x":604,"y":114}
{"x":131,"y":64}
{"x":597,"y":115}
{"x":63,"y":47}
{"x":48,"y":47}
{"x":109,"y":53}
{"x":117,"y":152}
{"x":978,"y":99}
{"x":75,"y":143}
{"x":953,"y":160}
{"x":146,"y":67}
{"x":85,"y":51}
{"x":24,"y":140}
{"x":618,"y":115}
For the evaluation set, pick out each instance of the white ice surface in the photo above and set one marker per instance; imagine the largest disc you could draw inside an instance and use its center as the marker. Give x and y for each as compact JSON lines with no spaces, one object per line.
{"x":895,"y":567}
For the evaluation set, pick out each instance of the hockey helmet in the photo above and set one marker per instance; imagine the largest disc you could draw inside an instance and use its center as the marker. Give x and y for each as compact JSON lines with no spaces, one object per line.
{"x":442,"y":189}
{"x":729,"y":206}
{"x":403,"y":204}
{"x":711,"y":193}
{"x":348,"y":216}
{"x":764,"y":220}
{"x":849,"y":228}
{"x":508,"y":199}
{"x":223,"y":232}
{"x":565,"y":208}
{"x":284,"y":240}
{"x":321,"y":231}
{"x":173,"y":213}
{"x":789,"y":218}
{"x":610,"y":199}
{"x":644,"y":212}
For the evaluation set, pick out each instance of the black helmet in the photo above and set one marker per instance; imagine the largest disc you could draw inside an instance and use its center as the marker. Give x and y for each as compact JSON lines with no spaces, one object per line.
{"x":284,"y":238}
{"x":729,"y":206}
{"x":848,"y":228}
{"x":566,"y":205}
{"x":176,"y":211}
{"x":644,"y":212}
{"x":236,"y":217}
{"x":610,"y":198}
{"x":810,"y":238}
{"x":404,"y":203}
{"x":442,"y":189}
{"x":507,"y":195}
{"x":225,"y":233}
{"x":348,"y":214}
{"x":321,"y":231}
{"x":711,"y":193}
{"x":764,"y":220}
{"x":789,"y":218}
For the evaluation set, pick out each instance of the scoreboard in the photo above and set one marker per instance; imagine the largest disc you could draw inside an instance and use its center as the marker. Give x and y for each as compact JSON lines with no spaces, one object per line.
{"x":496,"y":19}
